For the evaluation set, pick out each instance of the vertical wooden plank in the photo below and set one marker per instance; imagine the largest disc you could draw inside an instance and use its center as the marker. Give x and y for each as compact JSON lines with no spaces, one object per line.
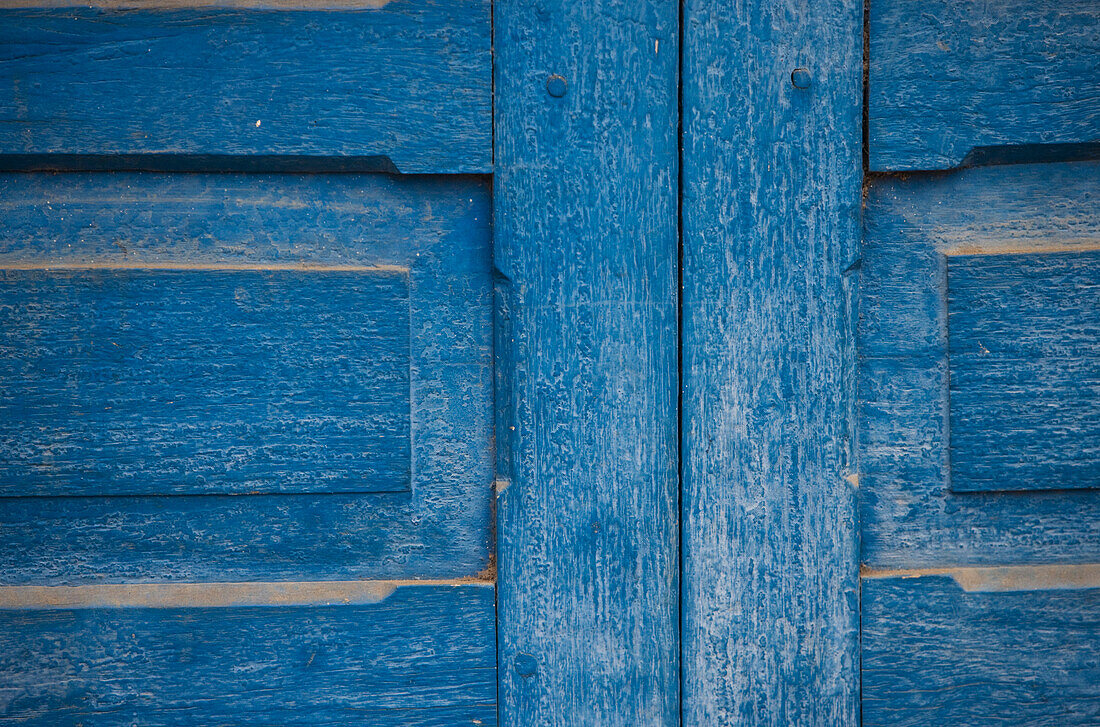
{"x":586,"y":247}
{"x":771,"y":196}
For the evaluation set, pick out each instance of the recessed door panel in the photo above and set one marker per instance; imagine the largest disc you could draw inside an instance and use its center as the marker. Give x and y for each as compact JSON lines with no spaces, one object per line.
{"x":175,"y":380}
{"x":1024,"y":368}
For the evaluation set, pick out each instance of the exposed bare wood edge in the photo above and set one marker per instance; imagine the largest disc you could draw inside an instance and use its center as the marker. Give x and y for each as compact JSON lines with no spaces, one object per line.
{"x":1037,"y":247}
{"x":1004,"y":578}
{"x":212,"y":267}
{"x":199,"y":4}
{"x":215,"y":595}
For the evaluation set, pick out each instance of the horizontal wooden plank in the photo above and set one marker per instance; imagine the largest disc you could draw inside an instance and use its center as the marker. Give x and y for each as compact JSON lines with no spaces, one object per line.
{"x":304,"y":227}
{"x":910,"y":517}
{"x":423,"y":655}
{"x":123,"y":381}
{"x":402,"y":86}
{"x":1024,"y":353}
{"x":1013,"y":80}
{"x":934,"y":653}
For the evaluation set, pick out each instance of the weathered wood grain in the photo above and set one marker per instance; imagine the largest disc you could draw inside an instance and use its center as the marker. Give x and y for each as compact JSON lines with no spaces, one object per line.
{"x":910,"y":515}
{"x":951,"y":78}
{"x":771,"y":195}
{"x":437,"y":228}
{"x":936,"y":654}
{"x":424,"y":655}
{"x":586,"y":247}
{"x":1024,"y":371}
{"x":402,"y":85}
{"x":122,"y":381}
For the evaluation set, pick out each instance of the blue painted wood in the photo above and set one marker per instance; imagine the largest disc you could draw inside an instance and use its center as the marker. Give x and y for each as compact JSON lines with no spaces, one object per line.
{"x":936,"y":654}
{"x":424,"y":655}
{"x":771,"y":197}
{"x":438,"y":228}
{"x":910,"y":515}
{"x":1024,"y":371}
{"x":950,"y":79}
{"x":121,"y":381}
{"x":585,"y":243}
{"x":402,"y":85}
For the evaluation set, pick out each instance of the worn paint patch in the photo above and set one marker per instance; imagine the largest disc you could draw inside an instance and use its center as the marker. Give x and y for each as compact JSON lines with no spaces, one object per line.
{"x":215,"y":595}
{"x":205,"y":267}
{"x":1002,"y":246}
{"x":1004,"y":578}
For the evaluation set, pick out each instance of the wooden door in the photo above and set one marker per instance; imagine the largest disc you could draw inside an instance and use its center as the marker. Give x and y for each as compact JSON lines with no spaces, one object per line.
{"x":549,"y":363}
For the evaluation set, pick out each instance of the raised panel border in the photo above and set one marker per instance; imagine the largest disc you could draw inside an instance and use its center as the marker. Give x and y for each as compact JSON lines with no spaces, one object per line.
{"x":910,"y":517}
{"x":438,"y":227}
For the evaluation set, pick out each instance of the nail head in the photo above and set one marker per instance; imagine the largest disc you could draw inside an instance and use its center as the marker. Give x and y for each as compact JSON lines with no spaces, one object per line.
{"x":556,"y":86}
{"x":800,"y":78}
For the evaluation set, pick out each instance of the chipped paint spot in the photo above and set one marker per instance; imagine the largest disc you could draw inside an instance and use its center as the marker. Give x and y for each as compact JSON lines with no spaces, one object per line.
{"x":214,"y":595}
{"x":1005,"y":578}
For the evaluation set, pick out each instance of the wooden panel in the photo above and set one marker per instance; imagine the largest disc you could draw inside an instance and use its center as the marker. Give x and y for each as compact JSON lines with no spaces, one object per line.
{"x":934,"y":653}
{"x":1024,"y":367}
{"x":989,"y":81}
{"x":437,"y":228}
{"x":910,"y":516}
{"x":395,"y":86}
{"x":423,"y":655}
{"x":771,"y":174}
{"x":122,"y":381}
{"x":585,"y":242}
